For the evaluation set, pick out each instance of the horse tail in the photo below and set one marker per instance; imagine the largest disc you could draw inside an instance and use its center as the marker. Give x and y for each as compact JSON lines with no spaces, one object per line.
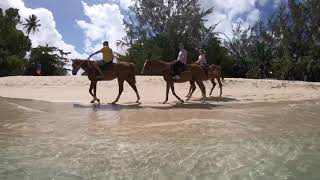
{"x":132,"y":73}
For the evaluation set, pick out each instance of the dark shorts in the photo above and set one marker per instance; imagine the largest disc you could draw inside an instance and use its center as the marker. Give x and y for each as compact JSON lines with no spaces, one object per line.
{"x":102,"y":63}
{"x":178,"y":67}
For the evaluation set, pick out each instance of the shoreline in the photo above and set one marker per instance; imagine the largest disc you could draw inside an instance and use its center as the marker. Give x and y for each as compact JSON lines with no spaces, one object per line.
{"x":74,"y":89}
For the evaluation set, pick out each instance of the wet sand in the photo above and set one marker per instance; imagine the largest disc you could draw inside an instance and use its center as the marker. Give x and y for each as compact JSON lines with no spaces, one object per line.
{"x":259,"y":130}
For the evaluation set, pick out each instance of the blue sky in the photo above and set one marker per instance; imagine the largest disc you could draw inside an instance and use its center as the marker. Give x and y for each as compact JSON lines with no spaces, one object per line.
{"x":81,"y":26}
{"x":65,"y":15}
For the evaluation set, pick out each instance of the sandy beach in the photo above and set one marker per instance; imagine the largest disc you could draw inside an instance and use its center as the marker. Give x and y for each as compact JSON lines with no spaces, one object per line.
{"x":152,"y":90}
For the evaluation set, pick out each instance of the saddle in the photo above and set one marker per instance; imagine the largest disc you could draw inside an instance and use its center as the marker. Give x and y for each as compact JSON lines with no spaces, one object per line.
{"x":184,"y":76}
{"x":107,"y":67}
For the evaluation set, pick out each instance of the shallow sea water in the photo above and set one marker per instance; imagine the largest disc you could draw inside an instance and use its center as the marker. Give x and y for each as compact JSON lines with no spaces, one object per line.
{"x":42,"y":140}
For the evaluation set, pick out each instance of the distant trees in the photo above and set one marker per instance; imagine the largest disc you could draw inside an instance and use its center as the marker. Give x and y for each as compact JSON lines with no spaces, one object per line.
{"x":50,"y":58}
{"x":14,"y":46}
{"x":285,"y":47}
{"x":155,"y":28}
{"x":32,"y":24}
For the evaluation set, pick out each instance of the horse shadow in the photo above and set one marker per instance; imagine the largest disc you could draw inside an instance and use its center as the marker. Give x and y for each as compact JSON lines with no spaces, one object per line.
{"x":136,"y":106}
{"x":217,"y":99}
{"x":187,"y":105}
{"x":109,"y":106}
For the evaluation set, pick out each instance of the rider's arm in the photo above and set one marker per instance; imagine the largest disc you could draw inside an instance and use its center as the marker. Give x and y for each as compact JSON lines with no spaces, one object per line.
{"x":112,"y":55}
{"x":94,"y":54}
{"x":180,"y":56}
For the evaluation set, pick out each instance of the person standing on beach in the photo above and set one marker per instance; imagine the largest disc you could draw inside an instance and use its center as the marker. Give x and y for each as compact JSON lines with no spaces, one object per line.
{"x":107,"y":58}
{"x":179,"y":65}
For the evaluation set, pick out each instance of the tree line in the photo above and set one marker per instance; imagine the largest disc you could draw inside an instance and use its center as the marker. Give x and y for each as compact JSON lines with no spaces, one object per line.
{"x":285,"y":45}
{"x":14,"y":46}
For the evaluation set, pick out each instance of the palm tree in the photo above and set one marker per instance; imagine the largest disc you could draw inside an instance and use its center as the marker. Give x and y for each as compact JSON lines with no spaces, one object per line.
{"x":32,"y":24}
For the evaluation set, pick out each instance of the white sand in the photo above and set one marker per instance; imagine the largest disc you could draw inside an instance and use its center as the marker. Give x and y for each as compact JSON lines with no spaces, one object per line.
{"x":152,"y":90}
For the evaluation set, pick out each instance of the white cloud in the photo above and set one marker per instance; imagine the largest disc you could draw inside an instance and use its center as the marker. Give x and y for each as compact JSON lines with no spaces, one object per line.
{"x":230,"y":12}
{"x":47,"y":34}
{"x":124,"y":3}
{"x":105,"y":23}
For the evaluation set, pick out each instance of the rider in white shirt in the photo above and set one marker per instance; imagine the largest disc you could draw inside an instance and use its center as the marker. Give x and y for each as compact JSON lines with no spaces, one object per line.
{"x":202,"y":58}
{"x":180,"y":63}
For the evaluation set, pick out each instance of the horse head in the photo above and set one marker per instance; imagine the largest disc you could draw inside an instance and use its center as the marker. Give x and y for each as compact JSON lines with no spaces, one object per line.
{"x":76,"y":65}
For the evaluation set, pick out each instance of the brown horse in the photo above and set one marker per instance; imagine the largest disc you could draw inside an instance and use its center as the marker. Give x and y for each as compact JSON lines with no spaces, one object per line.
{"x":124,"y":71}
{"x":193,"y":73}
{"x":214,"y":72}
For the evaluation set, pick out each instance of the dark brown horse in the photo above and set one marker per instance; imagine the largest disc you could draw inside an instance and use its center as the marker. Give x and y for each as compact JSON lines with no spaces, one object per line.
{"x":214,"y":72}
{"x":124,"y":71}
{"x":193,"y":73}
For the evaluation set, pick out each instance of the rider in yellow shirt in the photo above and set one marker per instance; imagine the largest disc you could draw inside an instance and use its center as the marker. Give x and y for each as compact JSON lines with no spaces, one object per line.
{"x":107,"y":58}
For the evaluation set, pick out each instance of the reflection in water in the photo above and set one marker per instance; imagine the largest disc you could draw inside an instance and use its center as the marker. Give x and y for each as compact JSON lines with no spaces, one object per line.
{"x":40,"y":140}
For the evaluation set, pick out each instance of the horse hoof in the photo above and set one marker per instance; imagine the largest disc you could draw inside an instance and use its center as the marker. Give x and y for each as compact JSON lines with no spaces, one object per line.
{"x":114,"y":102}
{"x":98,"y":100}
{"x":181,"y":101}
{"x":92,"y":101}
{"x":164,"y":102}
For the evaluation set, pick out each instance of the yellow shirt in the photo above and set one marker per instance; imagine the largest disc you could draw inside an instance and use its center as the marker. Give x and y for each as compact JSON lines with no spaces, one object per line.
{"x":107,"y":54}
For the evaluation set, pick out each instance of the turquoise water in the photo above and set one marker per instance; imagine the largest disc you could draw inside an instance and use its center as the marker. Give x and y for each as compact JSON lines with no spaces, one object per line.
{"x":40,"y":140}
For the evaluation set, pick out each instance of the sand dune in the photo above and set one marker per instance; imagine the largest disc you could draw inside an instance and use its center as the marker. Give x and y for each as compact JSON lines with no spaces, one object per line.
{"x":152,"y":90}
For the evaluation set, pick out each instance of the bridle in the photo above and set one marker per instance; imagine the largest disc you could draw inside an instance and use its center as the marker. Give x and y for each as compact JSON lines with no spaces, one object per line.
{"x":79,"y":66}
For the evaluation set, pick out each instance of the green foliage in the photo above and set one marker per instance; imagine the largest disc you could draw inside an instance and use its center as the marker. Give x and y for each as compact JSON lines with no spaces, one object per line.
{"x":253,"y":73}
{"x":157,"y":27}
{"x":280,"y":68}
{"x":48,"y":57}
{"x":32,"y":24}
{"x":286,"y":47}
{"x":174,"y":21}
{"x":13,"y":44}
{"x":11,"y":66}
{"x":313,"y":70}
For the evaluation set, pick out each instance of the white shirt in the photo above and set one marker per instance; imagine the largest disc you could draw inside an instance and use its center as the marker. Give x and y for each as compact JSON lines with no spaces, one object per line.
{"x":183,"y":55}
{"x":202,"y":59}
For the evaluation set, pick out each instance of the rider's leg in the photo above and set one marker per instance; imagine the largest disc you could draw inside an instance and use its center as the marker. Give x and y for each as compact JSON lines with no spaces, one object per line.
{"x":177,"y":70}
{"x":96,"y":65}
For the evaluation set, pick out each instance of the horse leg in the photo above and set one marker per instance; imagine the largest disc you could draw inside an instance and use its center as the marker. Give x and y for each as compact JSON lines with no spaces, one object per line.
{"x":203,"y":90}
{"x":190,"y":89}
{"x":167,"y":93}
{"x":95,"y":91}
{"x":90,"y":91}
{"x":213,"y":85}
{"x":193,"y":88}
{"x":120,"y":83}
{"x":220,"y":85}
{"x":174,"y":93}
{"x":134,"y":87}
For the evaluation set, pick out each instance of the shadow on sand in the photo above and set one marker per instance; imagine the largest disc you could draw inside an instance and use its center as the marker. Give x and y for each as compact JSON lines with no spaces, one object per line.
{"x":217,"y":99}
{"x":160,"y":106}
